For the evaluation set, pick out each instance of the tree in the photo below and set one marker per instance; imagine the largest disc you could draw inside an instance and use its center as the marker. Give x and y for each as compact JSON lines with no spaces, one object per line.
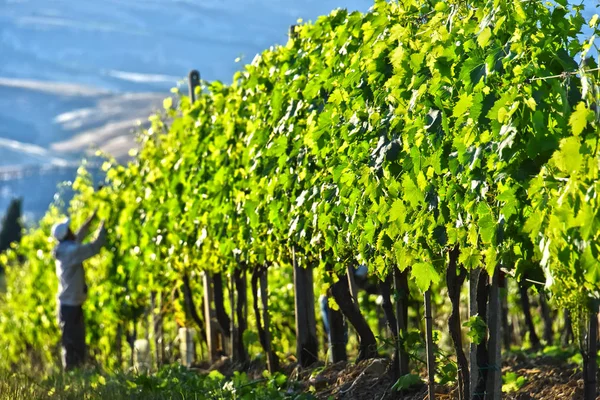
{"x":12,"y":227}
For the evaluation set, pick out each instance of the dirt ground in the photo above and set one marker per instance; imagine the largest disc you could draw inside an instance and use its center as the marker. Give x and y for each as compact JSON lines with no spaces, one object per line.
{"x":547,"y":378}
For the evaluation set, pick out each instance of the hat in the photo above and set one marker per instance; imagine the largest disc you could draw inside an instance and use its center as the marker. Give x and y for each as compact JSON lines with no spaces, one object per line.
{"x":60,"y":230}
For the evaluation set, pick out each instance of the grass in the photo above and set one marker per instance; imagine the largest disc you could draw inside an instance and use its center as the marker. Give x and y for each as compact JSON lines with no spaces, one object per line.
{"x":93,"y":385}
{"x":173,"y":382}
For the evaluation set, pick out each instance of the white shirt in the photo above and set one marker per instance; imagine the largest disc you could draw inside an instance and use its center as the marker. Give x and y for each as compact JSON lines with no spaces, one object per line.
{"x":70,"y":255}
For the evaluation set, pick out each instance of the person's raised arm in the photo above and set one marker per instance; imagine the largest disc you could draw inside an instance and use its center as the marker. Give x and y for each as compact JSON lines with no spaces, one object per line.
{"x":84,"y":251}
{"x":85,"y":228}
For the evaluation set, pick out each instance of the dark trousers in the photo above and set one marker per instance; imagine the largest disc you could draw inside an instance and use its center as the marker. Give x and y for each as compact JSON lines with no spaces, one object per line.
{"x":72,"y":328}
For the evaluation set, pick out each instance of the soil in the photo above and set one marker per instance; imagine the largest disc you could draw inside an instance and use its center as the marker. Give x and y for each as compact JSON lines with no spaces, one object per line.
{"x":547,"y":378}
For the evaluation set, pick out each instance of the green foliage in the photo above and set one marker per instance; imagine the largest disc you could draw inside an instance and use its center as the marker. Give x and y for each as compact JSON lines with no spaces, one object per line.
{"x":387,"y":137}
{"x":511,"y":382}
{"x":564,"y":220}
{"x":407,"y":382}
{"x":446,"y":372}
{"x":424,"y":275}
{"x":559,"y":352}
{"x":28,"y":314}
{"x":477,"y":329}
{"x":172,"y":382}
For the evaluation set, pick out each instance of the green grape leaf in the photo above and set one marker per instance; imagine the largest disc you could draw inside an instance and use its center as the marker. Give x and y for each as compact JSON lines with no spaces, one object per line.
{"x":397,"y":211}
{"x":580,"y":118}
{"x":477,"y":329}
{"x":470,"y":258}
{"x":569,"y":157}
{"x":411,"y":192}
{"x":465,"y":101}
{"x":511,"y":204}
{"x":484,"y":37}
{"x":591,"y":267}
{"x":491,"y":261}
{"x":424,"y":274}
{"x":487,"y":229}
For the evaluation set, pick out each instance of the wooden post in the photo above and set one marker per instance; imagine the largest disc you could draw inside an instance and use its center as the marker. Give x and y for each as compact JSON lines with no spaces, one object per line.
{"x":337,"y":333}
{"x":473,"y":368}
{"x":233,"y":345}
{"x":306,"y":326}
{"x":292,"y":32}
{"x":483,"y":295}
{"x":232,"y":328}
{"x":506,"y":328}
{"x":264,"y":294}
{"x":241,"y":315}
{"x":590,"y":364}
{"x":455,"y":276}
{"x":186,"y":346}
{"x":159,"y":348}
{"x":141,"y":356}
{"x":494,"y":378}
{"x":401,"y":287}
{"x":385,"y":289}
{"x":193,"y":82}
{"x":210,"y":318}
{"x":429,"y":345}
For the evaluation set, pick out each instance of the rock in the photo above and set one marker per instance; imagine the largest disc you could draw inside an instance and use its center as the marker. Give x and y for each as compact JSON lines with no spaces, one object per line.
{"x":319,"y":382}
{"x":376,"y":368}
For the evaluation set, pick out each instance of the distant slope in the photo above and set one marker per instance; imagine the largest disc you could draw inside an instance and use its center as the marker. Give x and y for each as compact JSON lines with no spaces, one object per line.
{"x":43,"y":122}
{"x":46,"y":128}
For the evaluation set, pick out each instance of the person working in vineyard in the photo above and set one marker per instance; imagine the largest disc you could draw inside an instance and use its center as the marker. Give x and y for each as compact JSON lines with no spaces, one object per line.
{"x":70,"y":253}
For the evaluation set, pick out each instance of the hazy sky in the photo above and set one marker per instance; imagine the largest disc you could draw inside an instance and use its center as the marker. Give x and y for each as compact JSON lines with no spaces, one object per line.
{"x":144,"y":44}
